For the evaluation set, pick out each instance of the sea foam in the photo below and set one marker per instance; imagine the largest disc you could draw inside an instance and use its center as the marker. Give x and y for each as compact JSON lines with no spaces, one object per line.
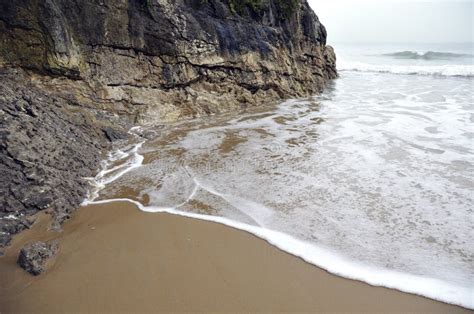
{"x":397,"y":114}
{"x":317,"y":255}
{"x":118,"y":163}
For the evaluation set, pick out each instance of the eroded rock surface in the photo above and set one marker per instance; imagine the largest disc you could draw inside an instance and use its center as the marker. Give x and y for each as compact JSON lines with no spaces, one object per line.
{"x":34,"y":257}
{"x":166,"y":60}
{"x":74,"y":74}
{"x":49,"y":145}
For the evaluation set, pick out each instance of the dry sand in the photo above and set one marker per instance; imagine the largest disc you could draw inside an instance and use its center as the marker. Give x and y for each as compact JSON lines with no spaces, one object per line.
{"x":115,"y":258}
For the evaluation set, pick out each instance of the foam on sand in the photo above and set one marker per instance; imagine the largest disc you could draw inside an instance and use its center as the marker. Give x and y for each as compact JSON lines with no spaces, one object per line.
{"x":115,"y":166}
{"x":311,"y":253}
{"x":371,"y":181}
{"x":332,"y":262}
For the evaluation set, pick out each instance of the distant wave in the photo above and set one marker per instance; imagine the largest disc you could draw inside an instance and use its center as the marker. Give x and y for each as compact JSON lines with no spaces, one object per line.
{"x":430,"y":55}
{"x":435,"y":70}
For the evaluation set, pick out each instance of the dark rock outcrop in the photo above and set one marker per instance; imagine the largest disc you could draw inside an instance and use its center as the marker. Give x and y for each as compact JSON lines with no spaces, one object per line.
{"x":34,"y":257}
{"x":171,"y":59}
{"x":13,"y":225}
{"x":74,"y":74}
{"x":49,"y":144}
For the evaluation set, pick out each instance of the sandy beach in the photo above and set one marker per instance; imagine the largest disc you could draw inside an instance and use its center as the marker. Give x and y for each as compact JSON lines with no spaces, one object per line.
{"x":115,"y":258}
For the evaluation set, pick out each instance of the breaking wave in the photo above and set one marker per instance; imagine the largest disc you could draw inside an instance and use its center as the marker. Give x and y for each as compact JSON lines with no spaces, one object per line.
{"x":430,"y":55}
{"x":433,"y":70}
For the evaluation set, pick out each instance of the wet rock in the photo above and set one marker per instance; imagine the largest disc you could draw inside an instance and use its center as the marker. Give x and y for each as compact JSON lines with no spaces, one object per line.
{"x":330,"y":61}
{"x":5,"y":239}
{"x":34,"y":257}
{"x":49,"y":144}
{"x":10,"y":225}
{"x":114,"y":134}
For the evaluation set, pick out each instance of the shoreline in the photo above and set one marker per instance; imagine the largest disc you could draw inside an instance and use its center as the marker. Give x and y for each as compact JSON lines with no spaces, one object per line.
{"x":113,"y":257}
{"x":321,"y":258}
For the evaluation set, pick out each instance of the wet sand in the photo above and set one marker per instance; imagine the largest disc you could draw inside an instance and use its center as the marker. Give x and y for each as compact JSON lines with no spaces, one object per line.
{"x":115,"y":258}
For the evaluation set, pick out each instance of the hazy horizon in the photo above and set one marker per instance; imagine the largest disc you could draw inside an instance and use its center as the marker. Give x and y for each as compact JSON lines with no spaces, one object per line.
{"x":381,"y":21}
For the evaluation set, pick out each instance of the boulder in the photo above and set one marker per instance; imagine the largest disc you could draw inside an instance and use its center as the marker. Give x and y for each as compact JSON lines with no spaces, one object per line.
{"x":35,"y":257}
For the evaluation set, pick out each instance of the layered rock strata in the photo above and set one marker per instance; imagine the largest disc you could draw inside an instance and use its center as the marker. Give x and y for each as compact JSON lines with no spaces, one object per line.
{"x":75,"y":74}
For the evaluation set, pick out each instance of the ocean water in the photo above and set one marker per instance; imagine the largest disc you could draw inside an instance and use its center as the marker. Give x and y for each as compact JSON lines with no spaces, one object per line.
{"x":416,"y":59}
{"x":372,"y":180}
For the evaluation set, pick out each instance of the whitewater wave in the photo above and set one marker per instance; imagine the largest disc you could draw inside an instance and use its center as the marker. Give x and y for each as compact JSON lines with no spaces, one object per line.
{"x":430,"y":55}
{"x":434,"y":70}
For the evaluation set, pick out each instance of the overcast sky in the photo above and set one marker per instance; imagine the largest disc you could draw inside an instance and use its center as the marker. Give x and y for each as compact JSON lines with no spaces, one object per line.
{"x":400,"y":21}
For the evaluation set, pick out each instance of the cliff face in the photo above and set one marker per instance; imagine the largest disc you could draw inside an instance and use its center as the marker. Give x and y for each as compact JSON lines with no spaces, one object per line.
{"x":74,"y":74}
{"x":171,"y":59}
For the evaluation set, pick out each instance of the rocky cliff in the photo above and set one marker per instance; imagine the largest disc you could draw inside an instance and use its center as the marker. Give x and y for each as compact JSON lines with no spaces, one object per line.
{"x":76,"y":73}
